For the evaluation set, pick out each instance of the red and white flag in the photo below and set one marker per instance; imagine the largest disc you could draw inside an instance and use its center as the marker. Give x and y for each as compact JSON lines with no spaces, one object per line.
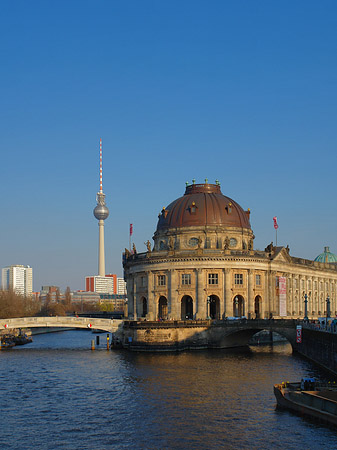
{"x":131,"y":229}
{"x":275,"y":223}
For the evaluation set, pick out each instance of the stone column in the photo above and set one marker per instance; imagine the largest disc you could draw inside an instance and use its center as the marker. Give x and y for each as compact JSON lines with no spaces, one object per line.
{"x":272,"y":285}
{"x":151,"y":313}
{"x":223,"y":295}
{"x":299,"y":297}
{"x":264,"y":296}
{"x":228,"y":294}
{"x":173,"y":295}
{"x":289,"y":291}
{"x":134,"y":299}
{"x":250,"y":303}
{"x":267,"y":308}
{"x":297,"y":294}
{"x":201,"y":302}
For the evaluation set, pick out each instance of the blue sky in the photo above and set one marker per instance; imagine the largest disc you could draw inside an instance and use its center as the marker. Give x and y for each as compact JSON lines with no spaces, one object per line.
{"x":240,"y":91}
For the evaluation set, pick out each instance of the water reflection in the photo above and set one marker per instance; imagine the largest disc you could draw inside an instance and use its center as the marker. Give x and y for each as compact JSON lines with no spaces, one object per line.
{"x":102,"y":400}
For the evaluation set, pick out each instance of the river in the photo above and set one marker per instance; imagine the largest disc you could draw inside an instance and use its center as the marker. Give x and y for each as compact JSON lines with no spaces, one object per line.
{"x":58,"y":394}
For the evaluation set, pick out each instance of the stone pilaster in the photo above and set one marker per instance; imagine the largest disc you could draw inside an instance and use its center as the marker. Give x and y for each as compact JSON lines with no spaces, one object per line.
{"x":250,"y":302}
{"x":151,"y":314}
{"x":272,"y":285}
{"x":134,"y":299}
{"x":228,"y":294}
{"x":201,"y":303}
{"x":173,"y":301}
{"x":267,"y":308}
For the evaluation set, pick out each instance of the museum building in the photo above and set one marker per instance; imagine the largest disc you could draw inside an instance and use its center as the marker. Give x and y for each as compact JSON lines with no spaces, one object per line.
{"x":203,"y":265}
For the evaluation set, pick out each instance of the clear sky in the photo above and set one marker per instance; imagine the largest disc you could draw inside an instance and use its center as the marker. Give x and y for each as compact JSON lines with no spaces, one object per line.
{"x":241,"y":91}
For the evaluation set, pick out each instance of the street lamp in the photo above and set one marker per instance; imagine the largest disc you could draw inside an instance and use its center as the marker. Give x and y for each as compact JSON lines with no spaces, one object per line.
{"x":328,"y":307}
{"x":306,"y":307}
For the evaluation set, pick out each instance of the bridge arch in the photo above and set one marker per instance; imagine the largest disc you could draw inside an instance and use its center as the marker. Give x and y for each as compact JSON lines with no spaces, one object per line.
{"x":237,"y":333}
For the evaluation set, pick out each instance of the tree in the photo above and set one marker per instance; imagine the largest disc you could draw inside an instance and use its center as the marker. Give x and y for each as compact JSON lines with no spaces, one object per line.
{"x":67,"y":299}
{"x":16,"y":305}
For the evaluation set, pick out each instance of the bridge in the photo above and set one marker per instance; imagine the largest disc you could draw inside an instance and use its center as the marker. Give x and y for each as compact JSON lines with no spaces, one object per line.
{"x":188,"y":334}
{"x":108,"y":325}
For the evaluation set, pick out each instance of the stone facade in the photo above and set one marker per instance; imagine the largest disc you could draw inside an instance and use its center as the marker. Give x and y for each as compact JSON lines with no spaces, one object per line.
{"x":203,"y":265}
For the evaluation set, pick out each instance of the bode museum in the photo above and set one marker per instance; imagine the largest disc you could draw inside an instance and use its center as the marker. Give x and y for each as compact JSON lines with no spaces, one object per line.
{"x":203,"y":265}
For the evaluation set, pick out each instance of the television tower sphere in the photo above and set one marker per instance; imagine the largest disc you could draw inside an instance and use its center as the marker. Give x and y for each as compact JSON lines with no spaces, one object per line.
{"x":101,"y":212}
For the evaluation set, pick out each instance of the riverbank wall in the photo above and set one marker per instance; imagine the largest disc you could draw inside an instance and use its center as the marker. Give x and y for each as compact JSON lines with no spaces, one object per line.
{"x":194,"y":334}
{"x":320,"y":347}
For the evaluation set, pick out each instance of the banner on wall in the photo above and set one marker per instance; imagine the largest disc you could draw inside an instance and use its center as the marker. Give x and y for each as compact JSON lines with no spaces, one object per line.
{"x":299,"y":334}
{"x":283,"y":296}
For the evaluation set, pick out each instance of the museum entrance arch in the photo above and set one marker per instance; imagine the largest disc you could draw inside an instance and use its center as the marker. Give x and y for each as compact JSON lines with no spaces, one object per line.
{"x":257,"y":306}
{"x":144,"y":306}
{"x":187,"y":308}
{"x":238,"y":306}
{"x":213,"y":304}
{"x":162,"y":308}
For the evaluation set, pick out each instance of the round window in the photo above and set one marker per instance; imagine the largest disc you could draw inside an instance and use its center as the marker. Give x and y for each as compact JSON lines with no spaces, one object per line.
{"x":193,"y":242}
{"x":233,"y":242}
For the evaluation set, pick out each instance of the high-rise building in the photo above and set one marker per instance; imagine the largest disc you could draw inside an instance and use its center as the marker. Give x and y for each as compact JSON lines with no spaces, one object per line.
{"x":109,"y":284}
{"x":101,"y":285}
{"x":18,"y":278}
{"x":121,"y":286}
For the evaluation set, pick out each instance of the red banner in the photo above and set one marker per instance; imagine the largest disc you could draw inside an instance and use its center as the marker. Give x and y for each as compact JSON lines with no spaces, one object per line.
{"x":131,"y":229}
{"x":275,"y":223}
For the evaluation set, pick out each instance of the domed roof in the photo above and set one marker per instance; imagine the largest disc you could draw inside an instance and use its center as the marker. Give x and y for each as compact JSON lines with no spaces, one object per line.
{"x":203,"y":205}
{"x":326,"y":256}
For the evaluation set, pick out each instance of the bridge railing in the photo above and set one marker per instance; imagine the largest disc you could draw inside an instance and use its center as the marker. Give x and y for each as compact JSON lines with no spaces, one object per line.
{"x":330,"y":327}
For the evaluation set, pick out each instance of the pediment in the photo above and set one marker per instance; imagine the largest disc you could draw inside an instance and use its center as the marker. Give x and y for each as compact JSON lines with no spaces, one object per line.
{"x":282,"y":255}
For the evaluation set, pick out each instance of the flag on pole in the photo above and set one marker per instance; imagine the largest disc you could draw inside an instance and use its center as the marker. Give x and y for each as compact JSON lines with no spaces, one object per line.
{"x":131,"y":229}
{"x":275,"y":223}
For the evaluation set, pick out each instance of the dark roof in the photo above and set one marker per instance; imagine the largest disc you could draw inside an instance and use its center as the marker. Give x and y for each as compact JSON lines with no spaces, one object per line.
{"x":203,"y":205}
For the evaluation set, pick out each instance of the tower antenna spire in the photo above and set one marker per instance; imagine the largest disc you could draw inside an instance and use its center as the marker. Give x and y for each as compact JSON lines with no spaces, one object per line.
{"x":100,"y":167}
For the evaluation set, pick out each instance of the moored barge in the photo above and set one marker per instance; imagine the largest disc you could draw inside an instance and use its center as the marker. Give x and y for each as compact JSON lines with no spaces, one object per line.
{"x":309,"y":398}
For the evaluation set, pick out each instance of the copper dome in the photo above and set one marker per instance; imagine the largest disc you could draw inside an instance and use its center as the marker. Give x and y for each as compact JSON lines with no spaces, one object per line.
{"x":203,"y":205}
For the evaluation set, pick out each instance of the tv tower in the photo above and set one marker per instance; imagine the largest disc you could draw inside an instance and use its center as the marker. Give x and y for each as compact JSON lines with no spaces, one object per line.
{"x":101,"y":213}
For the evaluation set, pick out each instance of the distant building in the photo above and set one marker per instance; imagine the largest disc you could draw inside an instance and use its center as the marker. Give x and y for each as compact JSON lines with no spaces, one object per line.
{"x":18,"y":278}
{"x":51,"y":292}
{"x":101,"y":285}
{"x":121,"y":286}
{"x":109,"y":284}
{"x":112,"y":302}
{"x":82,"y":296}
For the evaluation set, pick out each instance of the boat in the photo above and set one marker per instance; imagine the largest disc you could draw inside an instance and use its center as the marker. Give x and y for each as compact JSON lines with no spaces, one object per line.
{"x":5,"y":343}
{"x":22,"y":339}
{"x":310,"y":398}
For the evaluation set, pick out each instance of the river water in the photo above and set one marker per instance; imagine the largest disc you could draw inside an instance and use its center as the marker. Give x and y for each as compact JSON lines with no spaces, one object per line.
{"x":58,"y":394}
